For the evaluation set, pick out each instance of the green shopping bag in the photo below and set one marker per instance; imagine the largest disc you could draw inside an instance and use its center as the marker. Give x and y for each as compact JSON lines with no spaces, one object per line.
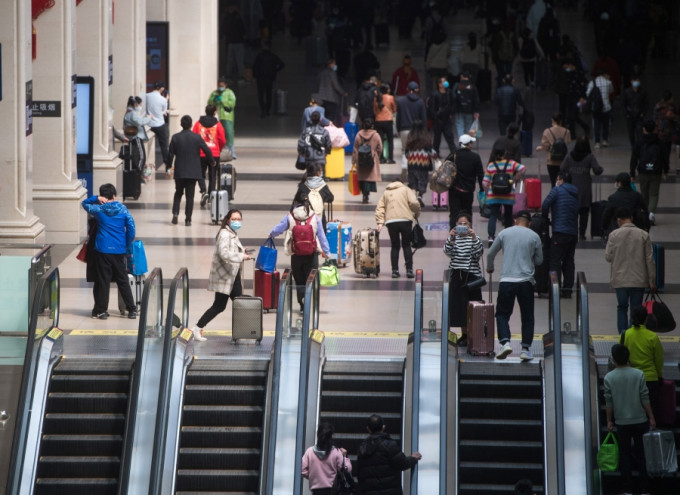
{"x":328,"y":275}
{"x":608,"y":455}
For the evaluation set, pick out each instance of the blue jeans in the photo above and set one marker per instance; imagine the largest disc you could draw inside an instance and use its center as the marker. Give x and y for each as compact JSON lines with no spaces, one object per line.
{"x":627,"y":297}
{"x":524,"y":292}
{"x":496,"y":214}
{"x":463,"y":123}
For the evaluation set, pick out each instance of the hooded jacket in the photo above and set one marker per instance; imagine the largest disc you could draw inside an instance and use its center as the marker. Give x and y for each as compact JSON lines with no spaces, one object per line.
{"x":379,"y":465}
{"x":115,"y":225}
{"x":320,"y":467}
{"x":624,"y":197}
{"x":212,"y":132}
{"x":397,"y":204}
{"x":564,"y":204}
{"x":409,"y":109}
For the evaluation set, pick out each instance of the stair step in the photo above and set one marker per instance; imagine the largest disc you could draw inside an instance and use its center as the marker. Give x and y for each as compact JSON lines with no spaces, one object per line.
{"x":104,"y":403}
{"x":104,"y":366}
{"x":75,"y":466}
{"x":366,"y":401}
{"x":84,"y":424}
{"x":90,"y":383}
{"x":220,"y":437}
{"x":231,"y":377}
{"x":223,"y":394}
{"x":199,"y":415}
{"x":378,"y":383}
{"x":76,"y":486}
{"x":229,"y":365}
{"x":221,"y":480}
{"x":496,"y":408}
{"x":83,"y":444}
{"x":367,"y":368}
{"x":483,"y":489}
{"x":215,"y":458}
{"x":496,"y":472}
{"x":500,"y":450}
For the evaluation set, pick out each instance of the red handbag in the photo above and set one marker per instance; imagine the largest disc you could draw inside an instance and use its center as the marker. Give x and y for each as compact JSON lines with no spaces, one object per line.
{"x":82,"y":254}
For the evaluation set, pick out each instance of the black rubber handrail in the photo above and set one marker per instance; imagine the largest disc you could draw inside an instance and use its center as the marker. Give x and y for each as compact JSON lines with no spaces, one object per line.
{"x":28,"y":377}
{"x":415,"y":385}
{"x":555,"y":322}
{"x":444,"y":385}
{"x":154,"y":278}
{"x":583,"y":326}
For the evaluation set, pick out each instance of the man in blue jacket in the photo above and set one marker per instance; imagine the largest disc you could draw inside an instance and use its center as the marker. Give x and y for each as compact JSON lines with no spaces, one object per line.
{"x":563,"y":203}
{"x":115,"y":233}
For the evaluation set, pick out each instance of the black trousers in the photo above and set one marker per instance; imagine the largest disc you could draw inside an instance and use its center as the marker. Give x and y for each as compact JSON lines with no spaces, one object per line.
{"x":401,"y":234}
{"x":265,"y":90}
{"x":111,"y":268}
{"x":386,"y":131}
{"x":163,"y":138}
{"x":553,"y":172}
{"x":220,"y":302}
{"x":445,"y":128}
{"x":583,"y":214}
{"x":210,"y":172}
{"x":459,"y":201}
{"x":625,"y":434}
{"x":562,"y":249}
{"x":332,"y":113}
{"x":183,"y":186}
{"x":301,"y":267}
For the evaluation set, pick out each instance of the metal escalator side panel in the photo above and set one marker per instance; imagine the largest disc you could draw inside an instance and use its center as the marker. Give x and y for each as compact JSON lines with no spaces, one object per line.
{"x":452,"y":420}
{"x":549,"y":419}
{"x":429,"y":467}
{"x":407,"y":412}
{"x":266,"y":425}
{"x":313,"y":384}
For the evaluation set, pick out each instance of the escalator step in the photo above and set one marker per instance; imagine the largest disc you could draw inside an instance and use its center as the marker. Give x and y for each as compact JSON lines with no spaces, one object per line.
{"x":74,"y":467}
{"x":499,"y":472}
{"x":90,"y":383}
{"x":500,"y":450}
{"x":60,"y":402}
{"x":223,"y":394}
{"x":242,"y":459}
{"x":76,"y":486}
{"x":366,"y":368}
{"x":94,"y":366}
{"x":220,"y":437}
{"x":210,"y":377}
{"x":217,"y":480}
{"x":377,"y":383}
{"x":493,"y":429}
{"x":500,"y":388}
{"x":369,"y":401}
{"x":483,"y":489}
{"x":105,"y":445}
{"x":230,"y":364}
{"x":491,"y":369}
{"x":215,"y":493}
{"x":481,"y":407}
{"x":356,"y":421}
{"x":84,"y":424}
{"x":222,"y":415}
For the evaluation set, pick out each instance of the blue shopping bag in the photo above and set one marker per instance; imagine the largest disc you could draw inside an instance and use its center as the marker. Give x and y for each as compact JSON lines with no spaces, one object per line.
{"x":266,"y":257}
{"x":136,"y":259}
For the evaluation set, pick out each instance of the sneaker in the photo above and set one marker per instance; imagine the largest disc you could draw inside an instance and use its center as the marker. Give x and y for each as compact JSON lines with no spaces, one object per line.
{"x":605,"y":143}
{"x":652,"y":218}
{"x":204,"y":199}
{"x":198,"y":334}
{"x":395,"y":273}
{"x":597,"y":146}
{"x":132,"y":315}
{"x":526,"y":355}
{"x":174,"y":219}
{"x":187,"y":223}
{"x":409,"y":274}
{"x":505,"y":351}
{"x":100,"y":316}
{"x":491,"y":239}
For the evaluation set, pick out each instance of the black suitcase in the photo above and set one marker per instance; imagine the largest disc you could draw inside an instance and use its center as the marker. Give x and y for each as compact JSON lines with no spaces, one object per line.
{"x":132,"y":184}
{"x":541,"y":226}
{"x":527,"y":140}
{"x":132,"y":173}
{"x":484,"y":84}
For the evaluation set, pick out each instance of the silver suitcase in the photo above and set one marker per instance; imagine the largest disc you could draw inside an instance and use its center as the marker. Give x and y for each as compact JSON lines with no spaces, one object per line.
{"x":660,"y":455}
{"x":246,"y":319}
{"x":137,"y":287}
{"x":219,"y":205}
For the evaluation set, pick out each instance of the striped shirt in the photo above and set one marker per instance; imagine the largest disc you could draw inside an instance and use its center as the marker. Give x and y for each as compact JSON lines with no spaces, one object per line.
{"x":419,"y":158}
{"x":516,"y":170}
{"x":465,"y":253}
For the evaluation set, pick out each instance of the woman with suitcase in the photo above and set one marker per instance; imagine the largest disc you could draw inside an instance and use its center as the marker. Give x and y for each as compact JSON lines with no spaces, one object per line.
{"x":225,"y":271}
{"x":465,"y":250}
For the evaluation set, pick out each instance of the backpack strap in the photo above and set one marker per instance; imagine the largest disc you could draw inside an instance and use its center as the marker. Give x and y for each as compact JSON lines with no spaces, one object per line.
{"x":551,"y":133}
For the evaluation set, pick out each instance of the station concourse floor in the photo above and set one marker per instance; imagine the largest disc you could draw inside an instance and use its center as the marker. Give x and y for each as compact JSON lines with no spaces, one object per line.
{"x":368,"y":308}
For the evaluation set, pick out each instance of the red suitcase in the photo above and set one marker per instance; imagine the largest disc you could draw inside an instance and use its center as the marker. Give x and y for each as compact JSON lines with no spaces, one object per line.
{"x":481,"y":326}
{"x":532,"y":188}
{"x":267,"y":287}
{"x":667,"y":403}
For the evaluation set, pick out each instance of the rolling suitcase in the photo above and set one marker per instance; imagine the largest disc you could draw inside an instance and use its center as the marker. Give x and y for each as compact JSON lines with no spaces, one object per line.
{"x":668,"y":403}
{"x":520,"y":200}
{"x":137,"y":286}
{"x":335,"y":164}
{"x":659,"y":253}
{"x":266,"y":287}
{"x":597,"y":209}
{"x":228,"y":179}
{"x":339,"y":235}
{"x":219,"y":203}
{"x":440,"y":200}
{"x":526,"y":139}
{"x":367,"y":252}
{"x":132,"y":172}
{"x":660,"y":455}
{"x":532,"y":188}
{"x":246,"y":319}
{"x":481,"y":326}
{"x":484,"y":84}
{"x":351,"y":129}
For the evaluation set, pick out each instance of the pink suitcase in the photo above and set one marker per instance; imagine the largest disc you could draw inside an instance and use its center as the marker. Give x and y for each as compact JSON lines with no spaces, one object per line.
{"x":481,"y":327}
{"x":440,"y":199}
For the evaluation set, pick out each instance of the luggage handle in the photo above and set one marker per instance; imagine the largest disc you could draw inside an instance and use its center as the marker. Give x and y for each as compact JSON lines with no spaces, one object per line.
{"x":490,"y":284}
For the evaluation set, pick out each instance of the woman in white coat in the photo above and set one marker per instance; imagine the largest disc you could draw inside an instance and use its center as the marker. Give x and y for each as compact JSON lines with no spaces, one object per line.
{"x":225,"y":275}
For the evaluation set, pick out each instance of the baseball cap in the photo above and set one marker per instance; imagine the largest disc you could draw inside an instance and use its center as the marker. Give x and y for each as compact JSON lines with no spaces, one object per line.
{"x":466,"y":139}
{"x":526,"y":214}
{"x":412,"y":86}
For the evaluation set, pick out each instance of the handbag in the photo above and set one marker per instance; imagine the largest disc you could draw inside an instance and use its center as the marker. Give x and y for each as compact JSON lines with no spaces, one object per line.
{"x":660,"y":312}
{"x":477,"y":282}
{"x":608,"y":455}
{"x":418,"y":237}
{"x":300,"y":164}
{"x":328,"y":274}
{"x":344,"y":483}
{"x":130,"y":130}
{"x":442,"y":178}
{"x":82,"y":254}
{"x":226,"y":155}
{"x":353,"y":182}
{"x":266,"y":257}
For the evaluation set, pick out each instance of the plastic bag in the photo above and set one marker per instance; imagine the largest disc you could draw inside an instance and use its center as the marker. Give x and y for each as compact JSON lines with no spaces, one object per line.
{"x":136,"y":259}
{"x":266,"y":257}
{"x":338,"y":136}
{"x":353,"y":113}
{"x":475,"y":129}
{"x":328,"y":274}
{"x":608,"y":455}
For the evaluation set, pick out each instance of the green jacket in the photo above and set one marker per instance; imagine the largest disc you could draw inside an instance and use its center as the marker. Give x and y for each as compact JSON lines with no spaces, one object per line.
{"x":646,"y":353}
{"x":225,"y":103}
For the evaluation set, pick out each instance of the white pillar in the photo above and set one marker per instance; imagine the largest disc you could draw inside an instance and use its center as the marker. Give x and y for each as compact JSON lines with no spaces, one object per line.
{"x":17,"y":220}
{"x":94,"y":46}
{"x":57,"y":192}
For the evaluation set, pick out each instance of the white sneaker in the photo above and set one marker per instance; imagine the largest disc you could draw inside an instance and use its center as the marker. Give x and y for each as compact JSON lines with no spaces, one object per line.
{"x":197,"y":334}
{"x":526,"y":355}
{"x":597,"y":146}
{"x":505,"y":351}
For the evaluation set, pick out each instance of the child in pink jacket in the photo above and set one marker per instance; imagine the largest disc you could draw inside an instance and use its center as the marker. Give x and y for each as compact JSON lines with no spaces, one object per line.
{"x":322,"y":461}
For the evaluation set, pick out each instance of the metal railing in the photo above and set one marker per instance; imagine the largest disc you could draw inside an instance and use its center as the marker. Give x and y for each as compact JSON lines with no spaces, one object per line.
{"x":415,"y":399}
{"x":444,"y":386}
{"x":555,"y":320}
{"x":583,"y":326}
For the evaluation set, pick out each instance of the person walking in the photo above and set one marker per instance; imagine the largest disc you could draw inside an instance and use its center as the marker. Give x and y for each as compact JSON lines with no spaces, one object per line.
{"x":601,"y":117}
{"x":330,"y":91}
{"x":305,"y":237}
{"x":367,"y":96}
{"x":507,"y":99}
{"x":410,"y":108}
{"x":322,"y":461}
{"x":384,"y":122}
{"x":136,"y":141}
{"x":157,"y":107}
{"x":440,"y":112}
{"x":529,"y":52}
{"x":380,"y":461}
{"x":635,"y":107}
{"x":625,"y":197}
{"x":368,"y":166}
{"x":184,"y":151}
{"x":114,"y":236}
{"x":509,"y":144}
{"x":265,"y":67}
{"x":469,"y":169}
{"x":465,"y":103}
{"x":503,"y":53}
{"x":465,"y":249}
{"x":648,"y":160}
{"x":556,"y":153}
{"x":397,"y":209}
{"x":225,"y":278}
{"x":315,"y":142}
{"x":562,"y":205}
{"x":501,"y":196}
{"x":224,"y":99}
{"x":436,"y":62}
{"x":522,"y":252}
{"x":627,"y":406}
{"x":580,"y":162}
{"x":403,"y":76}
{"x":212,"y":132}
{"x":629,"y":251}
{"x":312,"y":187}
{"x":419,"y":157}
{"x":315,"y":105}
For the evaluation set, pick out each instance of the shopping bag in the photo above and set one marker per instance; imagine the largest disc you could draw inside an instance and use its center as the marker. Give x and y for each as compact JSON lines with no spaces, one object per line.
{"x":136,"y":259}
{"x":484,"y":209}
{"x":475,"y":129}
{"x":353,"y":182}
{"x":328,"y":274}
{"x":661,"y":313}
{"x":266,"y":257}
{"x":82,"y":254}
{"x":608,"y":455}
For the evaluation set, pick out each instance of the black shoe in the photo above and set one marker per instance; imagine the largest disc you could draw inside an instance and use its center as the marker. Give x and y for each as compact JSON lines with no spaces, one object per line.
{"x":565,"y":293}
{"x":187,"y":223}
{"x":204,"y":199}
{"x":395,"y":273}
{"x":409,"y":274}
{"x":100,"y":316}
{"x":364,"y":200}
{"x":132,"y":315}
{"x":174,"y":219}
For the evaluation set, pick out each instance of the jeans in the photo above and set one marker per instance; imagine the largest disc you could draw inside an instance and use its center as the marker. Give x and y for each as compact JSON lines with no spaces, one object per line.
{"x":301,"y":267}
{"x":163,"y":141}
{"x":601,"y":125}
{"x":464,"y":122}
{"x":626,"y":433}
{"x":495,"y":214}
{"x":562,"y":249}
{"x":111,"y":268}
{"x":403,"y":229}
{"x":183,"y":186}
{"x":524,"y":292}
{"x":626,"y":297}
{"x":445,"y":128}
{"x":384,"y":128}
{"x":265,"y":88}
{"x":220,"y":302}
{"x":649,"y":188}
{"x":459,"y":201}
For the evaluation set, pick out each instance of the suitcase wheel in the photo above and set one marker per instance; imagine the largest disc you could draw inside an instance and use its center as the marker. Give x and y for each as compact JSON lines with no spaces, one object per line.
{"x":435,"y":208}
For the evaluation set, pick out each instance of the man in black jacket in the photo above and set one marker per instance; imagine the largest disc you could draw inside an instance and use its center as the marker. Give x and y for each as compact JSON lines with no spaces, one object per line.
{"x":265,"y":67}
{"x":440,"y":111}
{"x":649,"y":160}
{"x":185,"y":149}
{"x":625,"y":197}
{"x":468,"y":168}
{"x":381,"y":461}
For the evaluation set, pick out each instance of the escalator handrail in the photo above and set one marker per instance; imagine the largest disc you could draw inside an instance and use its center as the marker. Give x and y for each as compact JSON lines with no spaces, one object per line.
{"x":415,"y":384}
{"x":555,"y":321}
{"x":283,"y":307}
{"x":126,"y":457}
{"x":310,"y":311}
{"x":583,"y":326}
{"x":43,"y":251}
{"x":444,"y":385}
{"x":180,"y":280}
{"x":28,"y":375}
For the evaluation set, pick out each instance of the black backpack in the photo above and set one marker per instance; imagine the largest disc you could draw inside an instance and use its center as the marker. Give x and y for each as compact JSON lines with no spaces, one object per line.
{"x":648,"y":160}
{"x":594,"y":102}
{"x":365,"y":155}
{"x":365,"y":103}
{"x":558,"y":150}
{"x":502,"y":181}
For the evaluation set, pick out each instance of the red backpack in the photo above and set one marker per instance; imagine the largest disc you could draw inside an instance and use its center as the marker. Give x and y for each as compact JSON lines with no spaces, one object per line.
{"x":303,"y":238}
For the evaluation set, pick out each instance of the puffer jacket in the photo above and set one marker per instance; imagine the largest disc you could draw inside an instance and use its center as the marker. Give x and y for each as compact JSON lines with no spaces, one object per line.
{"x":379,"y":465}
{"x":563,"y":203}
{"x":226,"y":261}
{"x":398,"y":203}
{"x":115,"y":225}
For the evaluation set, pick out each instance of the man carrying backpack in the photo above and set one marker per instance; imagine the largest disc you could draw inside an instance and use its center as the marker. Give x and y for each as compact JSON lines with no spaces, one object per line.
{"x":466,"y":103}
{"x":597,"y":96}
{"x":555,"y":141}
{"x":651,"y":163}
{"x":315,"y":142}
{"x":367,"y":94}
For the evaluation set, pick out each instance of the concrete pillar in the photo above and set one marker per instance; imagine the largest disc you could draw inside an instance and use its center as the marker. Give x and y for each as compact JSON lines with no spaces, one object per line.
{"x":57,"y":192}
{"x":18,"y":223}
{"x":94,"y":48}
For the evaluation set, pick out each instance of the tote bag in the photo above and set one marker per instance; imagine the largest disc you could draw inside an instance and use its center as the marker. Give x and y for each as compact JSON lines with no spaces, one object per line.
{"x":608,"y":455}
{"x":328,"y":275}
{"x":266,"y":257}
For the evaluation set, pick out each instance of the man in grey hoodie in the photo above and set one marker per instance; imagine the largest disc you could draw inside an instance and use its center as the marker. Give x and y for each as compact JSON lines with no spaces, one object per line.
{"x":522,"y":251}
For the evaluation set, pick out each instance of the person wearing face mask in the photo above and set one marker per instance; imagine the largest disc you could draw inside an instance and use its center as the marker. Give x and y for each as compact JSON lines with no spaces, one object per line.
{"x":225,"y":270}
{"x":635,"y":106}
{"x":224,"y":99}
{"x":440,"y":112}
{"x":465,"y":103}
{"x":331,"y":91}
{"x":131,"y":121}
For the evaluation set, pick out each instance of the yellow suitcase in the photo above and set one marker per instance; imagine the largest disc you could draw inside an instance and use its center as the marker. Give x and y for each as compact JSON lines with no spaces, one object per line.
{"x":335,"y":164}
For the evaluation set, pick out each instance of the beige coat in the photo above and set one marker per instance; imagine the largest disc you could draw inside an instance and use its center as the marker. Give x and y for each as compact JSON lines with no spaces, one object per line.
{"x":398,"y":202}
{"x":226,"y":262}
{"x":629,"y":250}
{"x":372,"y":138}
{"x":547,"y":140}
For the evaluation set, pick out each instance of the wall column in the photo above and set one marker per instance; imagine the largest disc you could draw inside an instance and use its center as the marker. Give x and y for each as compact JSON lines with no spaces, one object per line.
{"x":18,"y":223}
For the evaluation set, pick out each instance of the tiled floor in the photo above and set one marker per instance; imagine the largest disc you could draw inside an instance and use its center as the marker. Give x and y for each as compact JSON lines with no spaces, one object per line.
{"x":267,"y":182}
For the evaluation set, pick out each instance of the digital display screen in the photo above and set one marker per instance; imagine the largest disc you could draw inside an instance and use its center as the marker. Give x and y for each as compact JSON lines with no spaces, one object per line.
{"x":84,"y":114}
